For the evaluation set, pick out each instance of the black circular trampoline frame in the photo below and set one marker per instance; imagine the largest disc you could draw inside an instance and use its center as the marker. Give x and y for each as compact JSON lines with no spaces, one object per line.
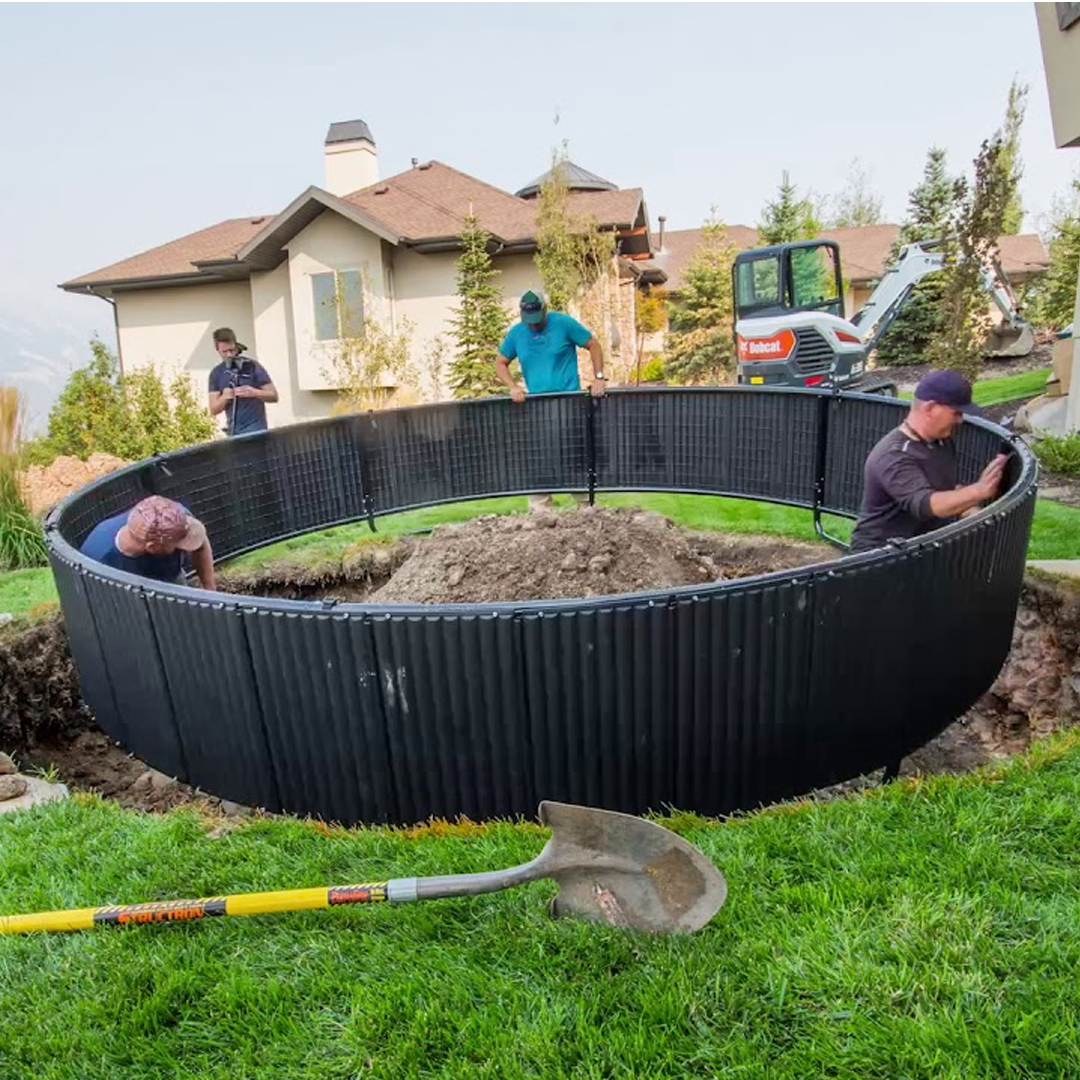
{"x":709,"y":698}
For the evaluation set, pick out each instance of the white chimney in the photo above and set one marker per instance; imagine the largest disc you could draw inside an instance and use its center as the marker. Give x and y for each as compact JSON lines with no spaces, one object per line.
{"x":351,"y":160}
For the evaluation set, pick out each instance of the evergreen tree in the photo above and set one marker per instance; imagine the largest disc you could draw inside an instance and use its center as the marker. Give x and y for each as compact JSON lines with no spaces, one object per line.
{"x":1054,"y":303}
{"x":480,"y":320}
{"x":929,"y":217}
{"x":788,"y":217}
{"x":700,"y":341}
{"x":930,"y":202}
{"x":857,"y":205}
{"x":1009,"y":160}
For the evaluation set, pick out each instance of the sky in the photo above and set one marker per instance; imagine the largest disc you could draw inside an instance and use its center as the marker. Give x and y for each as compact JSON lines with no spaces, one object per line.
{"x":124,"y":126}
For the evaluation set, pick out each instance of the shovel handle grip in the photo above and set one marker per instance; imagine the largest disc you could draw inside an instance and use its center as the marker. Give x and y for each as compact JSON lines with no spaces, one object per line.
{"x":187,"y":910}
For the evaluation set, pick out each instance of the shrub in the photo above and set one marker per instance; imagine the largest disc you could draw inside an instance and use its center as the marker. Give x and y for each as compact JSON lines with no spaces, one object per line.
{"x":1060,"y":453}
{"x":22,"y":543}
{"x":129,"y":416}
{"x":654,"y":370}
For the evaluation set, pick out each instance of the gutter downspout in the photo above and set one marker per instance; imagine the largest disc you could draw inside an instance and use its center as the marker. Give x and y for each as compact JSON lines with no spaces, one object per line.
{"x":116,"y":328}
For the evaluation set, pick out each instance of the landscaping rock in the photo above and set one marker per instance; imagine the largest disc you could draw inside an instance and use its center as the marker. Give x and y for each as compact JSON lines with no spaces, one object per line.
{"x":11,"y":787}
{"x":35,"y":791}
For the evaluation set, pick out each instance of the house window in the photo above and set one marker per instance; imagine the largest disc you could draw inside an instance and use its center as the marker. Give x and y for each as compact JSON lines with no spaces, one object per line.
{"x":339,"y":304}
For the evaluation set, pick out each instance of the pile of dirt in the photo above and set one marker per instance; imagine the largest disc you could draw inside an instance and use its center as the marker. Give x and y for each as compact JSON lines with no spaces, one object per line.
{"x":39,"y":691}
{"x":1038,"y":690}
{"x":574,"y":553}
{"x":43,"y":486}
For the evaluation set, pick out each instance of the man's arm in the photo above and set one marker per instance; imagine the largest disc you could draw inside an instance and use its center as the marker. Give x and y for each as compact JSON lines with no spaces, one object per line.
{"x":905,"y":482}
{"x":262,"y":387}
{"x":945,"y":504}
{"x":220,"y":400}
{"x":502,"y":373}
{"x":266,"y":393}
{"x":507,"y":352}
{"x":202,"y":559}
{"x":596,"y":354}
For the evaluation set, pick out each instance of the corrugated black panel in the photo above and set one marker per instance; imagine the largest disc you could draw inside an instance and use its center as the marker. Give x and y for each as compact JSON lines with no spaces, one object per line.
{"x":144,"y":721}
{"x":318,"y":684}
{"x":853,"y":428}
{"x":217,"y":698}
{"x":81,"y":629}
{"x":439,"y":453}
{"x":591,"y":740}
{"x":759,"y":444}
{"x":454,"y":714}
{"x":739,"y":710}
{"x":712,"y":699}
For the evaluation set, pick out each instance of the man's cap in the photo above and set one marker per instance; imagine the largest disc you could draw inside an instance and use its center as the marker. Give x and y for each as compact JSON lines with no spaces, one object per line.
{"x":948,"y":388}
{"x":157,"y":520}
{"x":533,"y":306}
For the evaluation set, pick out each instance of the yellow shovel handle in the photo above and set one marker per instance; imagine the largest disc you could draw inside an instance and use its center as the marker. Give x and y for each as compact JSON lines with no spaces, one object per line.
{"x":183,"y":910}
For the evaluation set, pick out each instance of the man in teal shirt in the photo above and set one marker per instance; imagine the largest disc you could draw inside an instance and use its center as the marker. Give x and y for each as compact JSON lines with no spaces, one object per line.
{"x":545,"y":343}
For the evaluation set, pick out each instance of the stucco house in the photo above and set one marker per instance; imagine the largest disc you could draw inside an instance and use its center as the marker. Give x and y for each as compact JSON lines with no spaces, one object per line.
{"x":388,"y":247}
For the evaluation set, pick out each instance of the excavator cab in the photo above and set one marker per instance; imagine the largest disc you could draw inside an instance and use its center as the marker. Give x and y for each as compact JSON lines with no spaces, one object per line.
{"x":786,"y":278}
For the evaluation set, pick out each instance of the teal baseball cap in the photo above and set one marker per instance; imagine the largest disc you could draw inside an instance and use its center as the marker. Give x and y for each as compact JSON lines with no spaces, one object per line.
{"x":533,"y":306}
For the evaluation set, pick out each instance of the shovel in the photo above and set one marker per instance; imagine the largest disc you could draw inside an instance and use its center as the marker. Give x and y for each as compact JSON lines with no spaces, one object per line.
{"x":610,"y":867}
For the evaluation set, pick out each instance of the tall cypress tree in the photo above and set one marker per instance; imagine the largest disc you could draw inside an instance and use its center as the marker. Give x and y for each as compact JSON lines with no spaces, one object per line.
{"x":480,"y":320}
{"x":1009,"y":162}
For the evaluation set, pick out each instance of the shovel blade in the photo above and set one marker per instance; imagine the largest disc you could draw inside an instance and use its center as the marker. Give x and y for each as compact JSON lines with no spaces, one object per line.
{"x":626,"y":871}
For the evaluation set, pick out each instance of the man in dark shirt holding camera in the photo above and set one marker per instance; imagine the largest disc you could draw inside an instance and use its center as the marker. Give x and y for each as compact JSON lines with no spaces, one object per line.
{"x":240,"y":386}
{"x":911,"y":475}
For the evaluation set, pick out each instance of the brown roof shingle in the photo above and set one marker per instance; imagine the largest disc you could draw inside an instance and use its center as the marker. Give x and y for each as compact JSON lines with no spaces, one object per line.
{"x":426,"y":203}
{"x":431,"y":202}
{"x":178,"y":257}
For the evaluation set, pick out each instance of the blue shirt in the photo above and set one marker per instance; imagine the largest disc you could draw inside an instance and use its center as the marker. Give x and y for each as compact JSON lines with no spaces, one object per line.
{"x":101,"y":546}
{"x":548,"y":355}
{"x":250,"y":413}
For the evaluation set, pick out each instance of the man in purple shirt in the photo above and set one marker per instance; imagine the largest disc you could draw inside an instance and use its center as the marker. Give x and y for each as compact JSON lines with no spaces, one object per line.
{"x":911,"y":475}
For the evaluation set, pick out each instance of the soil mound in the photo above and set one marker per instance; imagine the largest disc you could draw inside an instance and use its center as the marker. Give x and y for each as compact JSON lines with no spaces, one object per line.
{"x":43,"y":486}
{"x":585,"y":552}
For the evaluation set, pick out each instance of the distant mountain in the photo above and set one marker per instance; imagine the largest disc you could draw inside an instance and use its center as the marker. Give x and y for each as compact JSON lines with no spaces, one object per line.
{"x":41,"y":343}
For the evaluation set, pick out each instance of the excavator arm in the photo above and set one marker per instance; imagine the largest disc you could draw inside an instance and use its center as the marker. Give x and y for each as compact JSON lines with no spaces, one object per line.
{"x":917,"y":260}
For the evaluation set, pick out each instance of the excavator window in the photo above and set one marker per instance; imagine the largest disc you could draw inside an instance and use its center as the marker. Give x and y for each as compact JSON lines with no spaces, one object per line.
{"x":814,"y":279}
{"x":800,"y":276}
{"x":757,"y":284}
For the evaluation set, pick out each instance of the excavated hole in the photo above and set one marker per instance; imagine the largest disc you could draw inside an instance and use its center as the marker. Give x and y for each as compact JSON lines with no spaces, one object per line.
{"x":587,"y":552}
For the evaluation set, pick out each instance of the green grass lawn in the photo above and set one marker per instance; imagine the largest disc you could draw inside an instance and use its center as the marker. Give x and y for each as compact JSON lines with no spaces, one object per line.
{"x":1004,"y":388}
{"x":23,"y":591}
{"x":926,"y":929}
{"x":1010,"y":387}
